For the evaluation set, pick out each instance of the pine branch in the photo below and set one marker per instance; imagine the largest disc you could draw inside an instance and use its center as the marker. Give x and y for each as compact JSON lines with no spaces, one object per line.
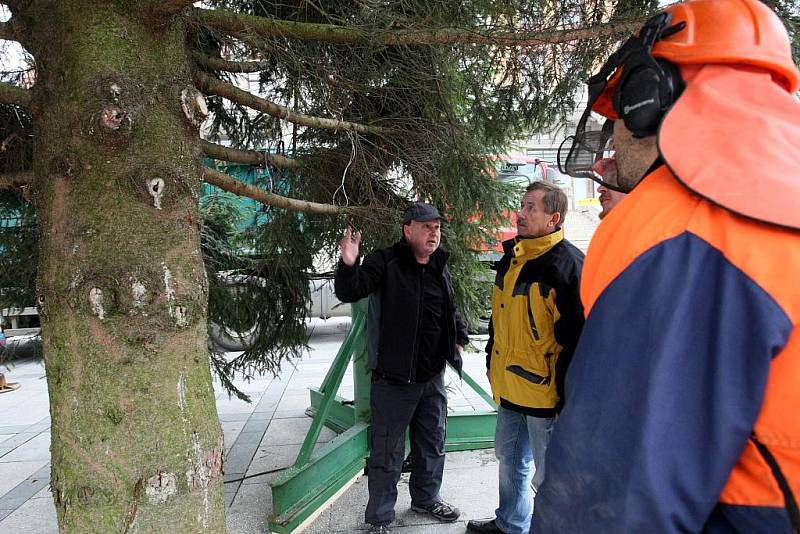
{"x":251,"y":157}
{"x":15,"y":180}
{"x":211,"y":85}
{"x":237,"y":187}
{"x":215,"y":63}
{"x":237,"y":24}
{"x":11,"y":94}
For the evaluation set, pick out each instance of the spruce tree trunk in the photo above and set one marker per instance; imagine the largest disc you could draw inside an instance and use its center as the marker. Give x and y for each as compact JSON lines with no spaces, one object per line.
{"x":136,"y":443}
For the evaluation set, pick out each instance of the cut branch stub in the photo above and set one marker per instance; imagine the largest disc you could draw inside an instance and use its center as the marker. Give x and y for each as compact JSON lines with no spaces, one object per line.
{"x":112,"y":118}
{"x":113,"y":125}
{"x":194,"y":107}
{"x":15,"y":180}
{"x":155,"y":186}
{"x":159,"y":186}
{"x":161,"y":487}
{"x":97,"y":301}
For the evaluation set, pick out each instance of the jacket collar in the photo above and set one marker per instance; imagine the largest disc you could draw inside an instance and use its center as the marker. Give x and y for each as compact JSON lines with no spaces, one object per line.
{"x":438,"y":258}
{"x":532,"y":247}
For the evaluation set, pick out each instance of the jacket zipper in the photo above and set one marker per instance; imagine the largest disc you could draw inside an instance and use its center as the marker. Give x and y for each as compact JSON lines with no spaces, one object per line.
{"x":413,"y":369}
{"x":531,"y":320}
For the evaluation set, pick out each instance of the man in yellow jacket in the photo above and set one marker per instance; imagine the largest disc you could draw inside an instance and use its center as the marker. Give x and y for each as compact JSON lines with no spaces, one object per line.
{"x":536,"y":320}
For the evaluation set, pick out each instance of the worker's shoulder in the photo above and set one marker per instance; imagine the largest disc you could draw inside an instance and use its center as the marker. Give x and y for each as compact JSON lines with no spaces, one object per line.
{"x":568,"y":253}
{"x":664,"y":211}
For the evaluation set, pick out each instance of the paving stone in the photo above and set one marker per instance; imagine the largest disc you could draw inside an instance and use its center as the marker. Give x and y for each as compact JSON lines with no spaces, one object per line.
{"x":250,"y":439}
{"x":257,"y":423}
{"x":13,"y":429}
{"x":25,"y":490}
{"x":14,"y":473}
{"x":231,"y":431}
{"x":230,"y":417}
{"x":12,"y":443}
{"x":293,"y":431}
{"x":35,"y":449}
{"x":269,"y":459}
{"x":250,"y":510}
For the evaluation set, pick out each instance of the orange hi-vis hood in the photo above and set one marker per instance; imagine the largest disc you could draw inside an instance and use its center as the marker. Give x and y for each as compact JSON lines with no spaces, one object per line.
{"x":733,"y":137}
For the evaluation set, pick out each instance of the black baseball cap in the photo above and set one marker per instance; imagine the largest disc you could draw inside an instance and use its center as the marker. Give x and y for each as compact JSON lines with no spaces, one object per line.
{"x":420,"y":212}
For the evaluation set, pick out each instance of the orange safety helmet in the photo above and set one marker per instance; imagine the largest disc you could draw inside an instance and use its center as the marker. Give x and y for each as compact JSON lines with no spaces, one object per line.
{"x":738,"y":32}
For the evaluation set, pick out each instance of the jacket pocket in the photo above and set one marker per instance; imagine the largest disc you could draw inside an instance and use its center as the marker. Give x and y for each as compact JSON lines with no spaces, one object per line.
{"x":528,"y":375}
{"x":530,"y":366}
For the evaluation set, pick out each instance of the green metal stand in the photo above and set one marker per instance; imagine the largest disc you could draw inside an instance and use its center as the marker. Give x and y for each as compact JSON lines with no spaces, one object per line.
{"x":317,"y":477}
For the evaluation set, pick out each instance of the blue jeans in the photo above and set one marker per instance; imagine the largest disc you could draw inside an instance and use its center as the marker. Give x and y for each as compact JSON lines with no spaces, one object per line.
{"x":520,"y":443}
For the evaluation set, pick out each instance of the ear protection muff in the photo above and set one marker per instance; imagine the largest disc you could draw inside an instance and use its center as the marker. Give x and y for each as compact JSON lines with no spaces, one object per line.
{"x":644,"y":88}
{"x":646,"y":91}
{"x":649,"y":86}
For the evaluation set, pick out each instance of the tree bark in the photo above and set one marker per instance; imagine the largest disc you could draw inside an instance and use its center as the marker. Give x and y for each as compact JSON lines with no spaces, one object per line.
{"x":136,"y":443}
{"x":231,"y":92}
{"x":237,"y":24}
{"x":172,"y":7}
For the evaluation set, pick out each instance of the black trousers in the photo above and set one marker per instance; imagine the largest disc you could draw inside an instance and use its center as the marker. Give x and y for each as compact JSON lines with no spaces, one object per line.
{"x":395,"y":407}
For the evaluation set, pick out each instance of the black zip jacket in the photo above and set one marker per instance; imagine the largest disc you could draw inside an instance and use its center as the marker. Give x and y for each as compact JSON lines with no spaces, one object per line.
{"x":392,"y":278}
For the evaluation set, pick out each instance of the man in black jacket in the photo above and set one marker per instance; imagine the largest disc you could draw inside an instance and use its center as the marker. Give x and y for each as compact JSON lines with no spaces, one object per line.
{"x":413,"y":328}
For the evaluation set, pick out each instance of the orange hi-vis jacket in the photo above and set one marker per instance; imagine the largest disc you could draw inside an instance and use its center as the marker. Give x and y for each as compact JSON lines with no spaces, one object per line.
{"x":688,"y":362}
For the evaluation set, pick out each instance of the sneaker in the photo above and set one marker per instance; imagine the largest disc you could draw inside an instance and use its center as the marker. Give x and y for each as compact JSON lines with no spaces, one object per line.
{"x":381,"y":528}
{"x":440,"y":510}
{"x":484,"y":526}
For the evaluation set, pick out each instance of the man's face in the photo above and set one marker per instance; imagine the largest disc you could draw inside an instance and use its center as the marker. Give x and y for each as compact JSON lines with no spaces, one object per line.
{"x":634,"y":156}
{"x":608,"y":199}
{"x":423,"y":237}
{"x":532,"y":221}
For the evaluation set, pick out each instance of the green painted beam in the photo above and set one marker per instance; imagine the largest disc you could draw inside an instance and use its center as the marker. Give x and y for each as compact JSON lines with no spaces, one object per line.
{"x":337,"y":373}
{"x":299,"y":492}
{"x":478,"y":389}
{"x":342,"y":414}
{"x":468,"y":431}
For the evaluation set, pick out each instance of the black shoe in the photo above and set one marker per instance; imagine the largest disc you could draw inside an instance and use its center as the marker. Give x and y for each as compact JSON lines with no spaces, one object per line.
{"x":382,"y":528}
{"x":440,"y":510}
{"x":485,"y":526}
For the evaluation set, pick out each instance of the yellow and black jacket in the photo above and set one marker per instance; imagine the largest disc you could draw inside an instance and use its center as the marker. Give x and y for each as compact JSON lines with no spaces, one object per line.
{"x":536,"y":320}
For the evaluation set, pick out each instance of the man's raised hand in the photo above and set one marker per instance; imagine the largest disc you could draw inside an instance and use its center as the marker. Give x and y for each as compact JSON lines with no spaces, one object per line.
{"x":350,"y":244}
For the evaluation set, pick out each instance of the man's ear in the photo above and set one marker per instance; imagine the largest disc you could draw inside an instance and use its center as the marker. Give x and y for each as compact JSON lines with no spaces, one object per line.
{"x":555,"y":218}
{"x":406,"y":228}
